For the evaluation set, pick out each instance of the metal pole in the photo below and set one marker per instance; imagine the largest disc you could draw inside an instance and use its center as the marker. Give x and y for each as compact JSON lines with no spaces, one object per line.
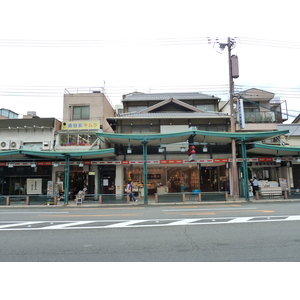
{"x":67,"y":178}
{"x":245,"y":171}
{"x":232,"y":123}
{"x":145,"y":172}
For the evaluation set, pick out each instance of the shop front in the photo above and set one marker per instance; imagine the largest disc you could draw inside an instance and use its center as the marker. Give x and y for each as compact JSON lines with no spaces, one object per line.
{"x":177,"y":178}
{"x":16,"y":179}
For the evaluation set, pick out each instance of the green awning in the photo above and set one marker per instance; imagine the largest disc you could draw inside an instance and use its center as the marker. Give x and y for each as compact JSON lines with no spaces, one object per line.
{"x":88,"y":154}
{"x":199,"y":136}
{"x":264,"y":149}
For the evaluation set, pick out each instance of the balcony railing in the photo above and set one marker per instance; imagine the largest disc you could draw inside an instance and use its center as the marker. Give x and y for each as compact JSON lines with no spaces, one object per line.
{"x":263,"y":117}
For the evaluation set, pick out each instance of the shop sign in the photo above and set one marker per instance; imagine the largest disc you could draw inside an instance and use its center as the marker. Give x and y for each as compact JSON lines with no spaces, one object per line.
{"x":265,"y":159}
{"x":79,"y":125}
{"x":46,"y":163}
{"x":171,"y":161}
{"x":221,"y":160}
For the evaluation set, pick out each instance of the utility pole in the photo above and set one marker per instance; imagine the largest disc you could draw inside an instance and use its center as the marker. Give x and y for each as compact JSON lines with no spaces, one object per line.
{"x":230,"y":46}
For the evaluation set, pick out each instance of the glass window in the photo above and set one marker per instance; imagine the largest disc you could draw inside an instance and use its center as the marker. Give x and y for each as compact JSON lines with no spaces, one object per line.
{"x":206,"y":107}
{"x":77,"y":139}
{"x":81,"y":112}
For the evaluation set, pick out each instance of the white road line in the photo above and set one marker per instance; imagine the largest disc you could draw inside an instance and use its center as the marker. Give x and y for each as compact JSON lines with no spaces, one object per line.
{"x":240,"y":220}
{"x":19,"y":224}
{"x":183,"y":222}
{"x":209,"y":209}
{"x":64,"y":225}
{"x":124,"y":224}
{"x":94,"y":224}
{"x":293,"y":218}
{"x":33,"y":212}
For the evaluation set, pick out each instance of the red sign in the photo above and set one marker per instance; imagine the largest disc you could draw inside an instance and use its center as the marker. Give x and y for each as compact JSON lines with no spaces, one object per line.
{"x":171,"y":161}
{"x":221,"y":160}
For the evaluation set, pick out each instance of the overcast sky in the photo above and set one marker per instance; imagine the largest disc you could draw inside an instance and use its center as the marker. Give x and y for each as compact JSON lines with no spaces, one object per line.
{"x":147,"y":46}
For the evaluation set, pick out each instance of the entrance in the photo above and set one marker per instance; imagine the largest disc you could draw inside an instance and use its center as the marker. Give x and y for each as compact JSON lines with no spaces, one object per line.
{"x":78,"y":180}
{"x":107,"y":179}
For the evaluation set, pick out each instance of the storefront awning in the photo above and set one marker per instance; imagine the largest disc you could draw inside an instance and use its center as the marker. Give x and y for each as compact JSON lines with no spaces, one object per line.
{"x":274,"y":150}
{"x":26,"y":154}
{"x":200,"y":136}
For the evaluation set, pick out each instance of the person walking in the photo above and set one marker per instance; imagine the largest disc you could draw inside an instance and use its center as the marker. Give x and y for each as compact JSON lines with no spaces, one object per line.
{"x":131,"y":194}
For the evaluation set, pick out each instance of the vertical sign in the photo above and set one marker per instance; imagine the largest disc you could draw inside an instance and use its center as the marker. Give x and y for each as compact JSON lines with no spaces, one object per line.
{"x":241,"y":113}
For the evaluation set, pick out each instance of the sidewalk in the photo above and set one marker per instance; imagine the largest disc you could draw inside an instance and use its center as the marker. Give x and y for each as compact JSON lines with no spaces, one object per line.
{"x":151,"y":201}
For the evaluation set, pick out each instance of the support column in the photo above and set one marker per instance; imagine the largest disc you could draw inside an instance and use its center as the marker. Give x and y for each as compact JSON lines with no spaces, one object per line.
{"x":67,"y":179}
{"x":145,"y":158}
{"x":245,"y":171}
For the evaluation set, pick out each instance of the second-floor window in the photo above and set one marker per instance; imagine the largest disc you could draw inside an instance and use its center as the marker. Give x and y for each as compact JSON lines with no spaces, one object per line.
{"x":81,"y":113}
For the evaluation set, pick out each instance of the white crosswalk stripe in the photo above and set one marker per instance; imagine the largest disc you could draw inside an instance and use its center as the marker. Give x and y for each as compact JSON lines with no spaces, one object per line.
{"x":97,"y":224}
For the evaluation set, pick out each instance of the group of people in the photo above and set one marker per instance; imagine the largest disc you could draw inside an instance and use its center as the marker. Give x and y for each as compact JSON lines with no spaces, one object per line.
{"x":130,"y":191}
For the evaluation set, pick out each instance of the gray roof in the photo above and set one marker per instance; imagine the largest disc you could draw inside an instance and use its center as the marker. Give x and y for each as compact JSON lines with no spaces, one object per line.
{"x":293,"y":128}
{"x":161,"y":115}
{"x":163,"y":96}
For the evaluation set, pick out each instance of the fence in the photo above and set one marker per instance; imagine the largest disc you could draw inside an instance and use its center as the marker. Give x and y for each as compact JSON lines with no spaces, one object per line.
{"x":192,"y":197}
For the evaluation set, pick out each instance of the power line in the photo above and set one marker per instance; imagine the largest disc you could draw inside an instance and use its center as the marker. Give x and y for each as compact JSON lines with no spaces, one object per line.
{"x":148,"y":42}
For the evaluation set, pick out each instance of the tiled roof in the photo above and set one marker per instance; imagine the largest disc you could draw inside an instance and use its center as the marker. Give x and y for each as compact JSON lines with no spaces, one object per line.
{"x":164,"y":96}
{"x":160,"y":115}
{"x":293,"y":128}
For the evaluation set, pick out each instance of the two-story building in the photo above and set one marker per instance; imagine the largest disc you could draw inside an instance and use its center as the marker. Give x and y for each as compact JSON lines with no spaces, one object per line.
{"x":30,"y":133}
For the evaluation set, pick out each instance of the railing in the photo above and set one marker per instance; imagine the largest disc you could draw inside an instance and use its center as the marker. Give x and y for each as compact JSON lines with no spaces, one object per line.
{"x":28,"y":200}
{"x":294,"y":194}
{"x":262,"y":117}
{"x":192,"y":197}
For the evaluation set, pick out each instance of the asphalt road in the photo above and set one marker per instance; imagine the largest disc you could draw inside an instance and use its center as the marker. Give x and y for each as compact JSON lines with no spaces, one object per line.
{"x":240,"y":232}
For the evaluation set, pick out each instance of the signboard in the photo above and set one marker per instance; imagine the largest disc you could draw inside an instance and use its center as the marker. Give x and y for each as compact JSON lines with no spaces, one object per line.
{"x":80,"y":125}
{"x":241,"y":113}
{"x":34,"y":186}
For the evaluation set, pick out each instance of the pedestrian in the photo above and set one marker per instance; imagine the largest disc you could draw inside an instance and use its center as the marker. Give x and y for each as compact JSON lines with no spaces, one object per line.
{"x":255,"y":185}
{"x":130,"y":191}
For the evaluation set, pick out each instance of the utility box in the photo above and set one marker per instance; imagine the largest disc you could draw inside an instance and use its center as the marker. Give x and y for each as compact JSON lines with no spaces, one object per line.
{"x":235,"y":66}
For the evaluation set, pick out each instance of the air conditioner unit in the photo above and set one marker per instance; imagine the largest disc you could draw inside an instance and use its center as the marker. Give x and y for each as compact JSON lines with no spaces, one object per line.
{"x":5,"y":145}
{"x":15,"y":144}
{"x":46,"y":145}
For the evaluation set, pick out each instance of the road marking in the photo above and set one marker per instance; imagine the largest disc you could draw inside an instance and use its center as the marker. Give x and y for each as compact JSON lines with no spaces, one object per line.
{"x":64,"y":225}
{"x":183,"y":222}
{"x":240,"y":220}
{"x":210,"y":209}
{"x":18,"y":224}
{"x":33,"y":212}
{"x":107,"y":215}
{"x":101,"y":224}
{"x":126,"y":223}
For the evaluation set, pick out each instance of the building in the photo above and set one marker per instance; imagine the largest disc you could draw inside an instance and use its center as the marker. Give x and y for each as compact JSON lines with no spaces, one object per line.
{"x":27,"y":134}
{"x":169,"y":167}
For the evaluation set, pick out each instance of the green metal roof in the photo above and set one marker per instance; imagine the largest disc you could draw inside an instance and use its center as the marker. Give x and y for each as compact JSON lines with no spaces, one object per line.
{"x":199,"y":136}
{"x":264,"y":149}
{"x":89,"y":154}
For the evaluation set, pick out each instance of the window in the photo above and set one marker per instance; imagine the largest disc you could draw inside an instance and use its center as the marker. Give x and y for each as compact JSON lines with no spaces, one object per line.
{"x":81,"y":113}
{"x":206,"y":107}
{"x":77,"y":139}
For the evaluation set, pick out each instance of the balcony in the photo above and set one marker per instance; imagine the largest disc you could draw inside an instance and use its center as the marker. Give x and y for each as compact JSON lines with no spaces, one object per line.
{"x":263,"y":117}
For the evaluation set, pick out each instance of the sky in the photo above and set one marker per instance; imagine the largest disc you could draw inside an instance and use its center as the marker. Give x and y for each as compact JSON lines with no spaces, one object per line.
{"x":48,"y":47}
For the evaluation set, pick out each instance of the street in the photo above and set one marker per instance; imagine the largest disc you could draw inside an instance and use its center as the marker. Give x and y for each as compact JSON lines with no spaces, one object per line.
{"x":227,"y":232}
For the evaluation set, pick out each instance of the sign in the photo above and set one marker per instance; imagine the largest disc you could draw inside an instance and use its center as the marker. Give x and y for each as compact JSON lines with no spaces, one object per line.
{"x":34,"y":186}
{"x":241,"y":113}
{"x":80,"y":125}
